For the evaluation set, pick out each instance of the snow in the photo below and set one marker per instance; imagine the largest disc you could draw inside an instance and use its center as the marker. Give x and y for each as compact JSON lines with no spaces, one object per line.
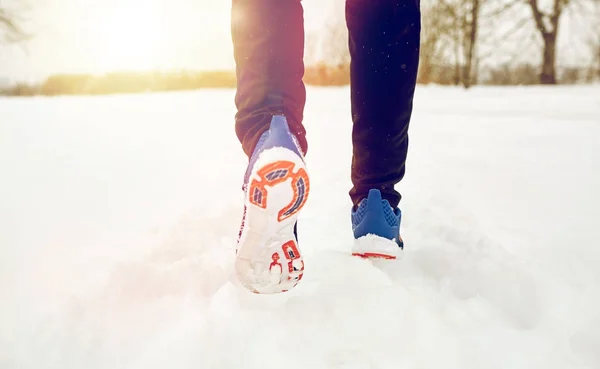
{"x":119,"y":214}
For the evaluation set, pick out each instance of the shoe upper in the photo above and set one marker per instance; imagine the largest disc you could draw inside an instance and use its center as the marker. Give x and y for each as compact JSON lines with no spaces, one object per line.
{"x":278,"y":135}
{"x":374,"y":215}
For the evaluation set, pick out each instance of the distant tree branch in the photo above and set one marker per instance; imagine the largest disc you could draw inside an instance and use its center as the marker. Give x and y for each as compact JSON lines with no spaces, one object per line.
{"x":502,"y":9}
{"x":538,"y":16}
{"x":10,"y":29}
{"x":517,"y":27}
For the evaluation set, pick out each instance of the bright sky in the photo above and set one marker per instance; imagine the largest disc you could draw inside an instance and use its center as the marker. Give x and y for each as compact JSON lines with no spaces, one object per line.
{"x":95,"y":36}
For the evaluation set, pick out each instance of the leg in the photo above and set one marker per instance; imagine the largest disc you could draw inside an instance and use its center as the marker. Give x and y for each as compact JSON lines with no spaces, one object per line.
{"x":268,"y":41}
{"x":384,"y":40}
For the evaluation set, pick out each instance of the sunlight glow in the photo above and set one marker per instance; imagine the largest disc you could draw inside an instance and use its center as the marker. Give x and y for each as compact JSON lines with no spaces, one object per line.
{"x":97,"y":37}
{"x":129,"y":37}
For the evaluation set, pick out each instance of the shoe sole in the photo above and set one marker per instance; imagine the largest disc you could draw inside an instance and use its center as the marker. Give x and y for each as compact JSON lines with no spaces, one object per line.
{"x":373,"y":255}
{"x":375,"y":247}
{"x":268,"y":257}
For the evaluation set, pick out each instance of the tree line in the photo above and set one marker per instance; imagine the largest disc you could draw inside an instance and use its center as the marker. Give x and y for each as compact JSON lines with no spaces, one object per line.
{"x":468,"y":42}
{"x":123,"y":82}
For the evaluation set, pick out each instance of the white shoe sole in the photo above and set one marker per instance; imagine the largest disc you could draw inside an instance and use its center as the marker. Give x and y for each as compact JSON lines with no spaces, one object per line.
{"x":268,"y":258}
{"x":375,"y":247}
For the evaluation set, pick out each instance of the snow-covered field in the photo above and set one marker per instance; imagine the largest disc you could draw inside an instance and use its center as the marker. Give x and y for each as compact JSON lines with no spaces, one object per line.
{"x":118,"y":217}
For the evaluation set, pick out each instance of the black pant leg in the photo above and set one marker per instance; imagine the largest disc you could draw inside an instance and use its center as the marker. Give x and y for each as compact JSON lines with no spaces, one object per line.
{"x":268,"y":44}
{"x":384,"y":38}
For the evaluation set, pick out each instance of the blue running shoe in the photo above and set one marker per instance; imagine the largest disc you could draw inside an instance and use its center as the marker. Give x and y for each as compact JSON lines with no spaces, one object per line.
{"x":376,"y":227}
{"x":276,"y":187}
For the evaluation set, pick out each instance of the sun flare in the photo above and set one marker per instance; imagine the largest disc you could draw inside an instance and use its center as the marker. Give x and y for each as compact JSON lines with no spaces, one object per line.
{"x":151,"y":35}
{"x":129,"y":37}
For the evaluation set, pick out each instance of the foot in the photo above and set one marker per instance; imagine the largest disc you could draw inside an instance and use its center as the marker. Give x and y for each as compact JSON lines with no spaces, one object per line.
{"x":276,"y":188}
{"x":376,"y":227}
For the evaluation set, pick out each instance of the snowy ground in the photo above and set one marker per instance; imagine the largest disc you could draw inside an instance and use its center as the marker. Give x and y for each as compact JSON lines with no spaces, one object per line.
{"x":118,"y":218}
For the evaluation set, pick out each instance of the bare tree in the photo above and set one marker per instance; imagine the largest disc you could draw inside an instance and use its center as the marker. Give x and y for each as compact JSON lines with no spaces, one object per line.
{"x":471,"y":26}
{"x":437,"y":38}
{"x":596,"y":62}
{"x":455,"y":25}
{"x":593,"y":42}
{"x":547,"y":23}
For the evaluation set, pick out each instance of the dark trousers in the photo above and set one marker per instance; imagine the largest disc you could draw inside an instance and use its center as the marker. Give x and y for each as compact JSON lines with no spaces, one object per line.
{"x":384,"y":35}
